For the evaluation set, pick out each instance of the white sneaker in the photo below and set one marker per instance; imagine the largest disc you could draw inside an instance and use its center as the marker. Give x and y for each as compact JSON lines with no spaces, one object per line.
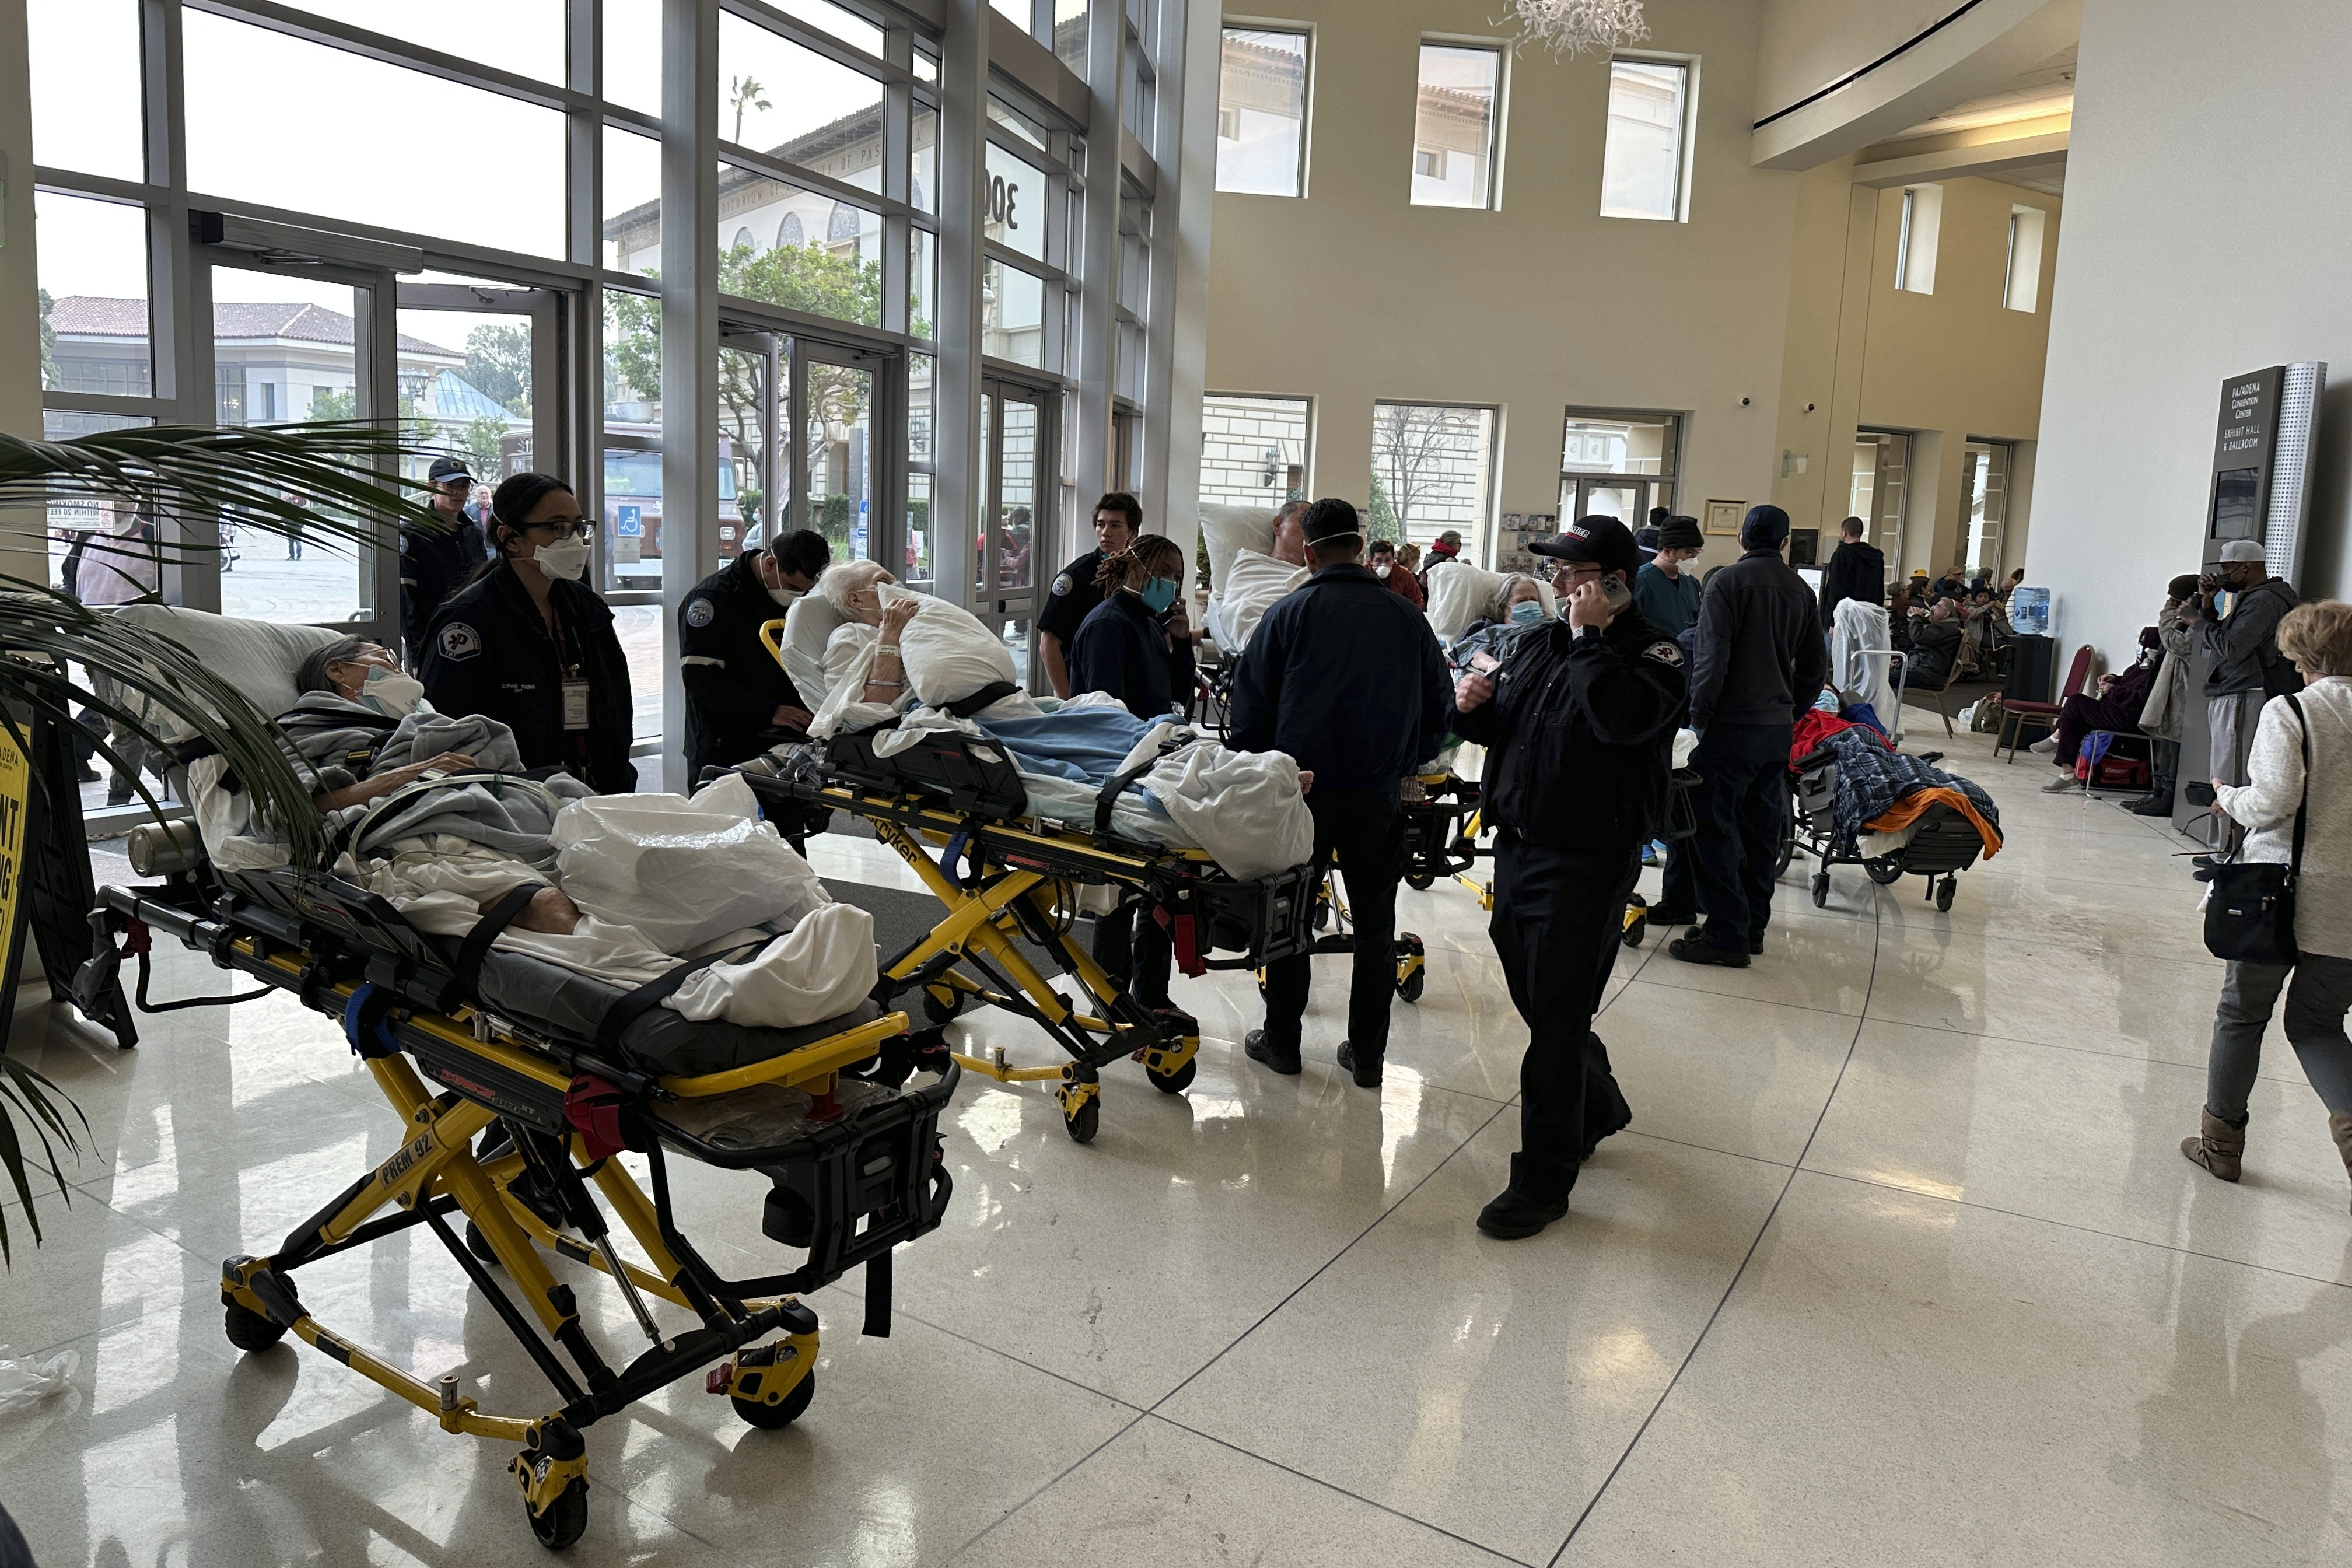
{"x":2064,"y":783}
{"x":2044,"y":746}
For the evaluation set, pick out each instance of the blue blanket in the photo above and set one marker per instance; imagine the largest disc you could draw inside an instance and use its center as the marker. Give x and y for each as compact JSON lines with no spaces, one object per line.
{"x":1084,"y":745}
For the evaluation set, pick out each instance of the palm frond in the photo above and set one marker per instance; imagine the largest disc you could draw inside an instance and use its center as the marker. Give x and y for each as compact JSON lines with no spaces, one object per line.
{"x":21,"y":1093}
{"x":332,"y":478}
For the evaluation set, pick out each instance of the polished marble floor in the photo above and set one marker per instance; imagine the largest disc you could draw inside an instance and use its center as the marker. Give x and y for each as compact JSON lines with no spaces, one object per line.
{"x":1897,"y":1264}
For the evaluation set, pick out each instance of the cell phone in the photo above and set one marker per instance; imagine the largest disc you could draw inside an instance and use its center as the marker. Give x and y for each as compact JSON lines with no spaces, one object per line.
{"x":1483,"y":663}
{"x":2197,"y":792}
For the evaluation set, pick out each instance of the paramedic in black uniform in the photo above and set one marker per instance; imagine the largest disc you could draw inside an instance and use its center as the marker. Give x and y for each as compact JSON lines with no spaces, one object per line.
{"x":1118,"y":518}
{"x":530,"y":645}
{"x":434,"y":565}
{"x":739,"y":700}
{"x":1345,"y":677}
{"x":1579,"y":723}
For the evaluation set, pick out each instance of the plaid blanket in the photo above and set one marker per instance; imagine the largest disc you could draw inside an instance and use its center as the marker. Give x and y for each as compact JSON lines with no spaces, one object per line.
{"x":1870,"y":779}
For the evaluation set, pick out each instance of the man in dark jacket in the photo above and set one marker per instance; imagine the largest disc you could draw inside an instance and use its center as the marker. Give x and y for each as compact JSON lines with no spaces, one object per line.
{"x":1761,"y":661}
{"x":1856,"y":571}
{"x":1579,"y":725}
{"x":434,"y":565}
{"x":1346,"y":678}
{"x":739,"y":700}
{"x":2248,"y":668}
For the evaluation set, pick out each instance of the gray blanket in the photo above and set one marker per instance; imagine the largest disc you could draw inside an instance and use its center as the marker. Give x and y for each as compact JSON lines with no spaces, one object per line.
{"x":339,"y":743}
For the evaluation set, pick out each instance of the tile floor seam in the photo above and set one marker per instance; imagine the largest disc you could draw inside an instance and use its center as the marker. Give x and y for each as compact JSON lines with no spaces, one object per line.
{"x":1750,"y":1257}
{"x":1020,"y":1361}
{"x":1320,"y":1268}
{"x":1068,"y":1470}
{"x":1354,"y":1497}
{"x":2069,"y":1225}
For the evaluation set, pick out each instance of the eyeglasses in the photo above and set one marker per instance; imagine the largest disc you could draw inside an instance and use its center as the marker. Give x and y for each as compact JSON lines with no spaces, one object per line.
{"x":562,"y":527}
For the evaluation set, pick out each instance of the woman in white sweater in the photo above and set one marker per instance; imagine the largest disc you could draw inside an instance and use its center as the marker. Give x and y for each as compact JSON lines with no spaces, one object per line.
{"x":2318,"y":638}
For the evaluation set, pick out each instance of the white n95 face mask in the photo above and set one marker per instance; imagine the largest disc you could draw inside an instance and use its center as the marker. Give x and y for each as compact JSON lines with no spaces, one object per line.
{"x":784,"y":596}
{"x":564,"y":558}
{"x":390,"y":693}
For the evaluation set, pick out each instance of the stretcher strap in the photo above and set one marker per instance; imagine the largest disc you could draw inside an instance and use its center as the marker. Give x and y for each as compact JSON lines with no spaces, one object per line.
{"x":877,"y":1295}
{"x":626,"y":1010}
{"x":367,"y":1022}
{"x":1120,"y":780}
{"x":1186,"y":933}
{"x":593,"y":1107}
{"x":494,"y":922}
{"x":988,"y":696}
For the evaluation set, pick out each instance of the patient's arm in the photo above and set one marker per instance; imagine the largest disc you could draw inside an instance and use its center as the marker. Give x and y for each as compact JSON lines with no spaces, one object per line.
{"x":384,"y":783}
{"x":549,"y":911}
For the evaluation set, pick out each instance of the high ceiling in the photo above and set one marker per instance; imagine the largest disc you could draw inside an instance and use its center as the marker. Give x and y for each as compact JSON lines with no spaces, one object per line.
{"x":2046,"y":89}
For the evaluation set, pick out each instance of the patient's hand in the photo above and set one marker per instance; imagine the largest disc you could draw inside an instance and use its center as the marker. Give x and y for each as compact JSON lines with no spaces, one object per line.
{"x":552,"y":911}
{"x":896,"y":616}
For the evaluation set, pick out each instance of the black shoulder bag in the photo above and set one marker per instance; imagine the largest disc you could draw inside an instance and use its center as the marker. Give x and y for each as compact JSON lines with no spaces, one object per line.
{"x":2249,"y":915}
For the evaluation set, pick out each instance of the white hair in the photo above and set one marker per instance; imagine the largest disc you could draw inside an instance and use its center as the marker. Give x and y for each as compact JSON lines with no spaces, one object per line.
{"x":848,"y":577}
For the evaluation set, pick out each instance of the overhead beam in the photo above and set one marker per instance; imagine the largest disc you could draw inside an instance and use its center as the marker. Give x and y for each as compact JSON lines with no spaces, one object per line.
{"x":1972,"y":55}
{"x":1998,"y":156}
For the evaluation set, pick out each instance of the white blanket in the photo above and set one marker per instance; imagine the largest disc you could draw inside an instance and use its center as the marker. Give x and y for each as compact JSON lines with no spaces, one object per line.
{"x":948,"y":652}
{"x":1254,"y":584}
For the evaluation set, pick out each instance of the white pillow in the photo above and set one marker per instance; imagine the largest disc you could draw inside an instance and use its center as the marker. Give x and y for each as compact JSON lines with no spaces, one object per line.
{"x":1255,"y":584}
{"x":810,"y":622}
{"x":258,"y":658}
{"x":1225,"y":529}
{"x":1460,"y":594}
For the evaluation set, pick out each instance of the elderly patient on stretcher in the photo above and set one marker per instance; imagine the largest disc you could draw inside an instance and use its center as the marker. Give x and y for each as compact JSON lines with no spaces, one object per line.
{"x":435,"y":814}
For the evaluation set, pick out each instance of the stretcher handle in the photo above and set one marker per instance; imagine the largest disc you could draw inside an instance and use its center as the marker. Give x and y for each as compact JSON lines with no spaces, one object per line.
{"x":772,"y":633}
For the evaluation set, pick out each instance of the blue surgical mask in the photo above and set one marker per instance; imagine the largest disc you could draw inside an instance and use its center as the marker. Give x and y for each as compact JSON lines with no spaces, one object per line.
{"x":1526,"y":613}
{"x":1158,"y":595}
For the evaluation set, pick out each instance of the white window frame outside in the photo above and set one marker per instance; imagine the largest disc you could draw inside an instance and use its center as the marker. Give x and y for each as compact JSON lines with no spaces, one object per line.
{"x":1685,"y":134}
{"x":1307,"y":97}
{"x":1497,"y":135}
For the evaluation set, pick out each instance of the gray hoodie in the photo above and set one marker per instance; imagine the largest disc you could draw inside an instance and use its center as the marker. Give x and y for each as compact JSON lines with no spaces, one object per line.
{"x":2246,"y":640}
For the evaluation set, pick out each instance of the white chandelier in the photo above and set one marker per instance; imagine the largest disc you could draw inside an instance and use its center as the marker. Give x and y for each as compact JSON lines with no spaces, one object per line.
{"x":1573,"y":27}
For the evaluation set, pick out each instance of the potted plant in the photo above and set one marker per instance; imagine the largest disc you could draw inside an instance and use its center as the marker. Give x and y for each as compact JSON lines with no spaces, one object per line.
{"x":331,"y":483}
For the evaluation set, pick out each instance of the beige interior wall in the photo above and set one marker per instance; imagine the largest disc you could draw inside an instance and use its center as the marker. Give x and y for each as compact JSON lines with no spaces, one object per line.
{"x":1355,"y":295}
{"x":21,"y":549}
{"x":1805,"y":45}
{"x":1945,"y":366}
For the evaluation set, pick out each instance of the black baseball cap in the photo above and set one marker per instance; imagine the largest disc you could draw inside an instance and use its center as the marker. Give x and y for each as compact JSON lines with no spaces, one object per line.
{"x":1333,"y":517}
{"x":446,"y":468}
{"x":1764,"y":525}
{"x":1598,"y":539}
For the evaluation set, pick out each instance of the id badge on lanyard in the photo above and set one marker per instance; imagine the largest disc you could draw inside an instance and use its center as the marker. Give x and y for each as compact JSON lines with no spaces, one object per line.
{"x":576,"y":704}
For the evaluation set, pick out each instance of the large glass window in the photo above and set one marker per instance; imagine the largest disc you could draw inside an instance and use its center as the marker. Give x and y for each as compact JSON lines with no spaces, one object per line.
{"x":826,"y":258}
{"x":93,"y":296}
{"x":633,"y":54}
{"x":378,"y":145}
{"x":1015,"y":218}
{"x":1453,"y":126}
{"x":790,"y":102}
{"x":525,"y":37}
{"x":1882,"y":460}
{"x":632,"y":231}
{"x":1984,"y":501}
{"x":1432,"y":472}
{"x":1252,"y":450}
{"x":2023,"y":289}
{"x":1012,"y":312}
{"x":1642,"y":166}
{"x":74,"y":44}
{"x":1618,"y":464}
{"x":1262,"y":113}
{"x":1919,"y":224}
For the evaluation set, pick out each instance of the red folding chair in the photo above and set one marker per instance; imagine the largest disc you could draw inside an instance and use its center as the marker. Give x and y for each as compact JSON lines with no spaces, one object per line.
{"x":2018,"y":714}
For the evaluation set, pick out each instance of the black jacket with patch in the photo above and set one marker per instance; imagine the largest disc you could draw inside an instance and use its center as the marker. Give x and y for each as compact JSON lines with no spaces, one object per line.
{"x":1580,"y":735}
{"x":489,"y":652}
{"x":432,"y":567}
{"x":1760,"y":657}
{"x":733,"y":684}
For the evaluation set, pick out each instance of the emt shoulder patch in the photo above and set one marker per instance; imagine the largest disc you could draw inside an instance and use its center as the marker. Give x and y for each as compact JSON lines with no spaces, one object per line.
{"x":459,"y":641}
{"x":1062,"y":585}
{"x":1665,"y":653}
{"x":699,"y":612}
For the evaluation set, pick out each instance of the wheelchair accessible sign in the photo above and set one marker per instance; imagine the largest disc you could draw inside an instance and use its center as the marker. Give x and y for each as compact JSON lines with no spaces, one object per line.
{"x":628,"y":533}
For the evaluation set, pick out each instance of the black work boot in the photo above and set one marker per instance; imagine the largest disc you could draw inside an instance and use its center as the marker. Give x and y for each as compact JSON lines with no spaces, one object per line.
{"x":1258,"y":1049}
{"x":1535,"y":1198}
{"x":1366,"y":1068}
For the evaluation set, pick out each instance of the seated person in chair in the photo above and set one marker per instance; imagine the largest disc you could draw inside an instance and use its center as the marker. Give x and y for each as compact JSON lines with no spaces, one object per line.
{"x":2121,"y":699}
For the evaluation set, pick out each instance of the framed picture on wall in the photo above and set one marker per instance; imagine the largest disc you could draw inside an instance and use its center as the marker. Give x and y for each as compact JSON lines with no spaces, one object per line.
{"x":1723,"y":516}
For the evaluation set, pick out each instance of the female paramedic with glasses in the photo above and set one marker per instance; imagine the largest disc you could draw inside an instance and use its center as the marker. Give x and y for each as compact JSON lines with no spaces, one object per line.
{"x":528,"y":643}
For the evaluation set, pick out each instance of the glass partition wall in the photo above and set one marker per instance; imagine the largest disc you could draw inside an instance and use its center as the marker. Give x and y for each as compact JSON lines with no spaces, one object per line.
{"x":712,"y":262}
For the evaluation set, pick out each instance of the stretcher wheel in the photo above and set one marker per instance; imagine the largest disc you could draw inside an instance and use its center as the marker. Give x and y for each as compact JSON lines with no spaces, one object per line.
{"x":1421,"y":882}
{"x":1322,"y":914}
{"x":479,"y":1245}
{"x":1176,"y":1082}
{"x":1821,"y":889}
{"x":1083,"y":1126}
{"x":566,"y":1519}
{"x":1639,"y":929}
{"x":1261,"y":983}
{"x":248,"y":1329}
{"x":940,"y":1012}
{"x":1787,"y":833}
{"x":1410,"y":988}
{"x":1944,"y":893}
{"x":771,"y":1417}
{"x":1882,"y":871}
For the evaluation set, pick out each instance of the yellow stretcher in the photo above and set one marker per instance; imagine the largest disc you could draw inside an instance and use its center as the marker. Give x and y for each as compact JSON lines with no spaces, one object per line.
{"x":509,"y":1124}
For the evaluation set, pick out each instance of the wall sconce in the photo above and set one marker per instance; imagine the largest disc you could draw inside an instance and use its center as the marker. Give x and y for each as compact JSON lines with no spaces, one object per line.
{"x":1793,"y":463}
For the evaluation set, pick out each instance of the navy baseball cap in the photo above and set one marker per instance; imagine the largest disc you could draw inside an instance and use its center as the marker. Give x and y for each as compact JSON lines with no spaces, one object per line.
{"x":1598,"y":539}
{"x":446,"y":468}
{"x":1766,"y":524}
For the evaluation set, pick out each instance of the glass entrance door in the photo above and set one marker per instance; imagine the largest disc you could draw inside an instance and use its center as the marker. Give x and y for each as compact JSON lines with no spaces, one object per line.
{"x":1014,"y":541}
{"x":1627,"y":500}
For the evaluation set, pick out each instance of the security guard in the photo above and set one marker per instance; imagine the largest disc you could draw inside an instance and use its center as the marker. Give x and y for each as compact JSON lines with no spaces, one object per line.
{"x":434,"y":565}
{"x":1578,"y":726}
{"x":530,"y":645}
{"x":739,"y":700}
{"x":1345,"y":677}
{"x":1118,"y":518}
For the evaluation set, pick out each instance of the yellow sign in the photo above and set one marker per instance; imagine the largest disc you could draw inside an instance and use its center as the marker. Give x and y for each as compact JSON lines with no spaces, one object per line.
{"x":15,"y":786}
